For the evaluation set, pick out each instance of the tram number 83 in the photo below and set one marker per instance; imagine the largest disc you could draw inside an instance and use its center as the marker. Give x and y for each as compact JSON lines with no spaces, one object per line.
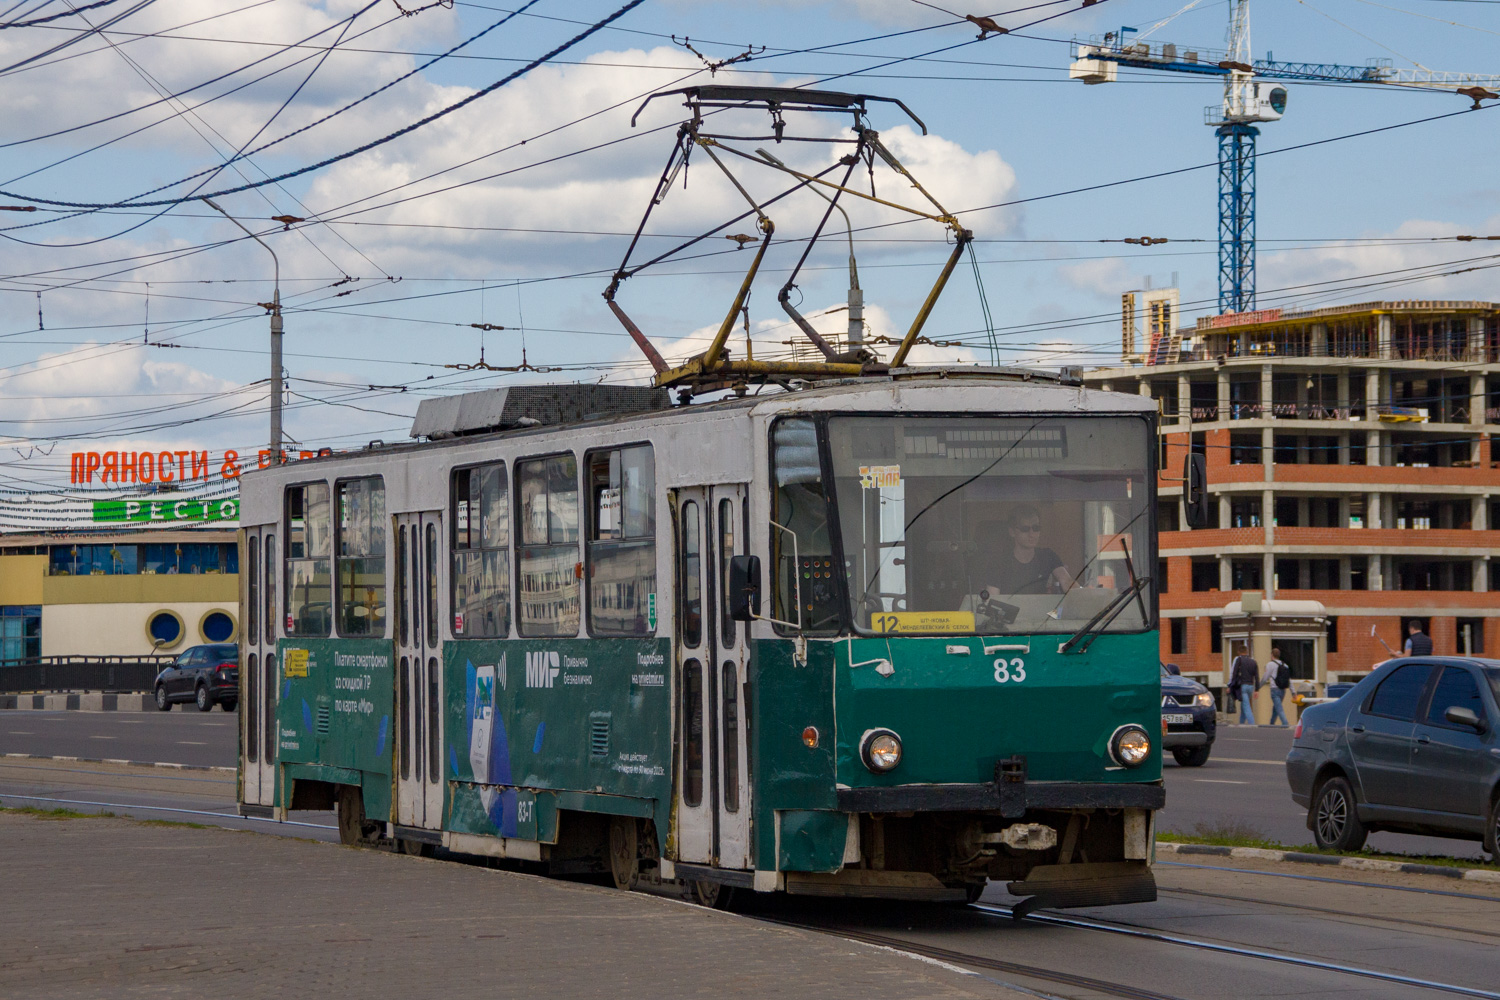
{"x":1010,"y":671}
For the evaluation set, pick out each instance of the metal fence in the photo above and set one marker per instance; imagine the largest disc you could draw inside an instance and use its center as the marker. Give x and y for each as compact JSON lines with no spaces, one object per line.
{"x":81,"y":673}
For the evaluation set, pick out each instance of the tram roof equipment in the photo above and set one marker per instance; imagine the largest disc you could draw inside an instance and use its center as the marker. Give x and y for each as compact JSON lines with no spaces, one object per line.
{"x":530,"y":406}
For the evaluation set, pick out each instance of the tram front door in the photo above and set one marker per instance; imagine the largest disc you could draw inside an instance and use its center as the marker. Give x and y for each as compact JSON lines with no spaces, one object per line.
{"x":713,"y":787}
{"x":258,"y":675}
{"x":419,"y":570}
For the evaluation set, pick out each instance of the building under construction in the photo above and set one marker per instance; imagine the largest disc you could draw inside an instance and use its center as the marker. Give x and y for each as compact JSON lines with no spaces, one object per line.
{"x":1352,"y":474}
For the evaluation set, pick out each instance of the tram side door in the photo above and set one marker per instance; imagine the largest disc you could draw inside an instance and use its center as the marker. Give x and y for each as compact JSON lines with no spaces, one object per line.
{"x":712,"y":796}
{"x":258,"y":673}
{"x":727,"y":535}
{"x":419,"y":572}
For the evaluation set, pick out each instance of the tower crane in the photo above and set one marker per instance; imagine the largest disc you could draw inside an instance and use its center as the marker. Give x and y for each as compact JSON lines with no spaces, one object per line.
{"x":1248,"y":101}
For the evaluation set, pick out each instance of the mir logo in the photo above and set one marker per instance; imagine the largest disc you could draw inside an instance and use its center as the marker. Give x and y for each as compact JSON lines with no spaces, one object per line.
{"x":542,"y":669}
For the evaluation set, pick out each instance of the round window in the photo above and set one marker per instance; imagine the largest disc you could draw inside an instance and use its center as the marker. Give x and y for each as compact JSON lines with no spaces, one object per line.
{"x":164,"y":628}
{"x":217,"y":626}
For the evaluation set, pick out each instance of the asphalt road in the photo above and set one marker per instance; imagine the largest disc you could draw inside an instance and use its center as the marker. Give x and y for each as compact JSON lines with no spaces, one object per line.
{"x":178,"y":737}
{"x":1242,"y":788}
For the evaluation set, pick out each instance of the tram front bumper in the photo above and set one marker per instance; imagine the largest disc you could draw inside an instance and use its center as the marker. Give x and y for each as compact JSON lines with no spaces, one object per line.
{"x":1010,"y":799}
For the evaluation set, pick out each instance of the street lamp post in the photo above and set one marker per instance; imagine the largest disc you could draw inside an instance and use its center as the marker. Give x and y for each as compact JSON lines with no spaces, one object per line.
{"x":276,"y":383}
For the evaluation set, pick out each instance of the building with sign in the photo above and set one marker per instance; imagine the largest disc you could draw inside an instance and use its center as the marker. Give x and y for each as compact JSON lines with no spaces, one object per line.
{"x":122,"y":576}
{"x":1352,"y":467}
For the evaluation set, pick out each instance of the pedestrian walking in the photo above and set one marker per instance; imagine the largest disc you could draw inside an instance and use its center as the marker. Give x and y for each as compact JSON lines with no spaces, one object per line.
{"x":1418,"y":643}
{"x":1279,"y":679}
{"x":1244,"y":679}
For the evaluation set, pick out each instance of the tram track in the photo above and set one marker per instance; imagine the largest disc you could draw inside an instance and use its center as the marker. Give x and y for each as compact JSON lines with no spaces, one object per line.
{"x":1327,"y":911}
{"x":1150,"y":934}
{"x":1333,"y":881}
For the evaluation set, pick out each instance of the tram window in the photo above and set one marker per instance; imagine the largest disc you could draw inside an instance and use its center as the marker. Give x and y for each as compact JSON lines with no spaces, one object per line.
{"x":416,"y":714}
{"x":309,"y":551}
{"x":726,"y":552}
{"x":252,"y":588}
{"x":481,"y":552}
{"x":268,"y":696}
{"x":690,"y":575}
{"x":731,"y":739}
{"x":622,"y":541}
{"x":430,"y":559}
{"x":692,"y":732}
{"x":547,"y":521}
{"x":410,"y":570}
{"x":433,"y":704}
{"x":403,"y":591}
{"x":982,"y":524}
{"x":405,"y":715}
{"x":802,"y":554}
{"x":361,"y":545}
{"x":252,"y":710}
{"x":270,"y":585}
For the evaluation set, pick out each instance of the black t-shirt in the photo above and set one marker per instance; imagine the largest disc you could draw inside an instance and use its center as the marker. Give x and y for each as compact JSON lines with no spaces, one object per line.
{"x":1011,"y":576}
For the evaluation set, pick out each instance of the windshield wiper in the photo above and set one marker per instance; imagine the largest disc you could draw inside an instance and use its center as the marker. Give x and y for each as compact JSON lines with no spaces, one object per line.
{"x":1099,"y":622}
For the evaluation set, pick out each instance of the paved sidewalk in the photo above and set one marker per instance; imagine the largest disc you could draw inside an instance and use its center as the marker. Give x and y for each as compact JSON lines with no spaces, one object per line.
{"x":102,"y":907}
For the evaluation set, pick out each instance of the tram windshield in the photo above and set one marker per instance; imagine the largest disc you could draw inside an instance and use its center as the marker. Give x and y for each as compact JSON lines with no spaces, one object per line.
{"x":994,"y":525}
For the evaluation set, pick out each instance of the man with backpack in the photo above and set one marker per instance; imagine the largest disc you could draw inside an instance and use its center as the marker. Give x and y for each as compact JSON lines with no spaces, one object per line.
{"x":1244,"y":679}
{"x":1279,"y":677}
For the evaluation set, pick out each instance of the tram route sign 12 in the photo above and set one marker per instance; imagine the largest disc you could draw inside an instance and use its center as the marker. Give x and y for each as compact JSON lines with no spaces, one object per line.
{"x":165,"y":511}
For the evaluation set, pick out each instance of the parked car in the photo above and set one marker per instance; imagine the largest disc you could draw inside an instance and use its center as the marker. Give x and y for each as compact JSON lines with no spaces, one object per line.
{"x":1412,"y":749}
{"x":205,"y":675}
{"x":1187,"y":709}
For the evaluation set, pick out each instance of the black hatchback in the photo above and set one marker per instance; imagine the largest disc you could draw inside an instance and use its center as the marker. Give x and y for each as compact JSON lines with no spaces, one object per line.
{"x":205,"y":675}
{"x":1412,"y":748}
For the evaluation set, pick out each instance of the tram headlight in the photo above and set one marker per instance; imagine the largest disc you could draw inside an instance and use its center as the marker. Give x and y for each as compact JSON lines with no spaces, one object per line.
{"x":880,"y":750}
{"x":1130,"y":746}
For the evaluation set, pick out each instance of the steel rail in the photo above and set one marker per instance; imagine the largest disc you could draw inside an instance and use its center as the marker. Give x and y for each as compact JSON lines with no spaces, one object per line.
{"x":960,"y":958}
{"x":1229,"y":949}
{"x":170,"y":809}
{"x":1278,"y":904}
{"x":1336,"y":881}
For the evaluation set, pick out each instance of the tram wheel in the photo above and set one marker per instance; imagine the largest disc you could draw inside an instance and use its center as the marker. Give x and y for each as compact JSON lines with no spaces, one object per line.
{"x":415,"y":848}
{"x":714,"y":895}
{"x":624,"y":844}
{"x":353,"y":827}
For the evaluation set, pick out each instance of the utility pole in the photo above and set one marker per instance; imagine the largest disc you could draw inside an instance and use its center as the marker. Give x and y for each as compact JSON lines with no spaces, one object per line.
{"x":276,"y":382}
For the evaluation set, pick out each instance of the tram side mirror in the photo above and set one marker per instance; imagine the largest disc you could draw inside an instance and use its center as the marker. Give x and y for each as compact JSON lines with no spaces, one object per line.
{"x":1195,"y":485}
{"x":744,"y":588}
{"x":1464,"y":717}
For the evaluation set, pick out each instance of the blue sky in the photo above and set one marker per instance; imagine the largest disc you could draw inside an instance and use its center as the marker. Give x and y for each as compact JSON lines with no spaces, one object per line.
{"x":493,"y":241}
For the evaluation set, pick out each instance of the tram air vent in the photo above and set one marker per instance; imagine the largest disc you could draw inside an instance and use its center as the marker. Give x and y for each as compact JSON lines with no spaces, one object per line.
{"x":530,"y":406}
{"x":599,"y":736}
{"x":323,"y":716}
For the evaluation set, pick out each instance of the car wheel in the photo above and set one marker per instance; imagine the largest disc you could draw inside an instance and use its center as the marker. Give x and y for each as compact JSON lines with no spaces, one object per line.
{"x":162,"y":704}
{"x":1335,"y":823}
{"x":1190,"y":756}
{"x":205,"y":701}
{"x":230,"y":705}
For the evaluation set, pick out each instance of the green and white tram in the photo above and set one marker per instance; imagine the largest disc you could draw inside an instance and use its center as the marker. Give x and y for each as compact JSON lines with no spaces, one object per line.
{"x":884,"y":636}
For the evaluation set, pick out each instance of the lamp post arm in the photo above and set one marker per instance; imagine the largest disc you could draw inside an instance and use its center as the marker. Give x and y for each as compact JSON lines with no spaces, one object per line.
{"x":275,"y":261}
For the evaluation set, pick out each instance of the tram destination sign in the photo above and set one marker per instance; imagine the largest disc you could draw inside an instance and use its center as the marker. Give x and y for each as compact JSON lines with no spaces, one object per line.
{"x":162,"y":511}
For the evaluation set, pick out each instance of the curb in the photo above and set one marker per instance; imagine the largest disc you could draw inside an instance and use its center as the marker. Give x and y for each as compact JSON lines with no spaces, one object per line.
{"x":1333,"y":860}
{"x":116,"y":760}
{"x":86,"y":702}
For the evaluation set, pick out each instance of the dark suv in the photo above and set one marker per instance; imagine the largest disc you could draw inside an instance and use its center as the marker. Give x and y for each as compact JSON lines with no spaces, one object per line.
{"x":1187,"y":712}
{"x":1412,"y":748}
{"x":204,"y":675}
